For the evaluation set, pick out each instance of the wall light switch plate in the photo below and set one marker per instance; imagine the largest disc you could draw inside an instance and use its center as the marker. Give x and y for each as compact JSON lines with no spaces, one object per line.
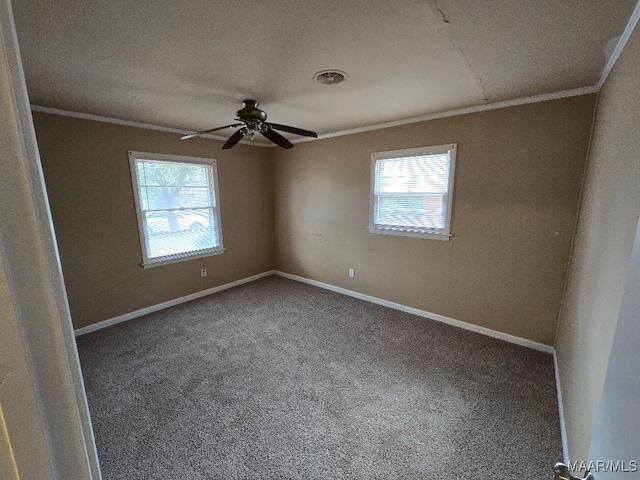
{"x":203,"y":272}
{"x":352,"y":272}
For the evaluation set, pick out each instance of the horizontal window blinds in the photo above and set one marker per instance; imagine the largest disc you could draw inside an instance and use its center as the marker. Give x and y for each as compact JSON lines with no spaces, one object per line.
{"x":411,"y":193}
{"x":178,"y":208}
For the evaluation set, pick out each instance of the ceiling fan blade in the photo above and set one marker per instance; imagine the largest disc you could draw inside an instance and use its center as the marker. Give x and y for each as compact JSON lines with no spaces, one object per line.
{"x":233,"y":139}
{"x":204,"y":132}
{"x":276,"y":138}
{"x":287,"y":128}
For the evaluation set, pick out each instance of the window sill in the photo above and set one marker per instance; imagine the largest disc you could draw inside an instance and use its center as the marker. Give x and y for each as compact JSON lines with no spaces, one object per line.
{"x":408,"y":233}
{"x":180,"y":258}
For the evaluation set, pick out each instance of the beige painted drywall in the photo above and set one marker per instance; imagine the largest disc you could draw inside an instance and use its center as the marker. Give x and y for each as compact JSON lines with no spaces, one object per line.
{"x":23,"y":444}
{"x":22,"y":435}
{"x":41,"y":417}
{"x":603,"y":245}
{"x":88,"y":179}
{"x":517,"y":184}
{"x":8,"y":466}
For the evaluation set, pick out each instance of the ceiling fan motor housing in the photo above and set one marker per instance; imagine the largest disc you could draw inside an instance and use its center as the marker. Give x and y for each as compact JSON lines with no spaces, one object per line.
{"x":251,"y":114}
{"x":254,"y":121}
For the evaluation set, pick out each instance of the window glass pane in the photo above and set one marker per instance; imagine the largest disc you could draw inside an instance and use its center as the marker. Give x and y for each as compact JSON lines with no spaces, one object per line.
{"x":155,"y":172}
{"x":171,"y":232}
{"x":177,"y":202}
{"x":425,"y":173}
{"x":167,"y":198}
{"x":411,"y":191}
{"x":172,"y":185}
{"x":410,"y":211}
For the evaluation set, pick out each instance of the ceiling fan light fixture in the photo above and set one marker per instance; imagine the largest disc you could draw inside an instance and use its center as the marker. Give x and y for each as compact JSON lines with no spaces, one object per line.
{"x":330,"y":77}
{"x":252,"y":120}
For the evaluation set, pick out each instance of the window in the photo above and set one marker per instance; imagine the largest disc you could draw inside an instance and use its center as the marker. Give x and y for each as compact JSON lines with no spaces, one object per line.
{"x":177,"y":205}
{"x":411,"y":192}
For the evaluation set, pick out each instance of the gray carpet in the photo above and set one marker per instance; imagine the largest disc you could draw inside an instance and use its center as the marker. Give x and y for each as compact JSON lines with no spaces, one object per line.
{"x":278,"y":379}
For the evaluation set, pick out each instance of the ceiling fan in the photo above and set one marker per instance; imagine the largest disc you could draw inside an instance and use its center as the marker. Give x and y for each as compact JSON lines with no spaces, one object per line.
{"x":253,"y":120}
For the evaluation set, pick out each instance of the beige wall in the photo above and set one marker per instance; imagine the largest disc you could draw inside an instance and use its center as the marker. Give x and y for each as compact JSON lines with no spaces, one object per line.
{"x":88,"y":180}
{"x":603,"y":244}
{"x":518,"y":178}
{"x":20,"y":426}
{"x":23,"y":442}
{"x":41,"y":397}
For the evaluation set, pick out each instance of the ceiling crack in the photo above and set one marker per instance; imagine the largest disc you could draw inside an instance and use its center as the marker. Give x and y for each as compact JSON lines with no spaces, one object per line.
{"x":445,"y":22}
{"x":436,"y":7}
{"x":485,"y":94}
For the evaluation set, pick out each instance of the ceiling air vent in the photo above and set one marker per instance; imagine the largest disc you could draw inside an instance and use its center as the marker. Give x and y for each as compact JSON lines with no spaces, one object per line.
{"x":330,"y":77}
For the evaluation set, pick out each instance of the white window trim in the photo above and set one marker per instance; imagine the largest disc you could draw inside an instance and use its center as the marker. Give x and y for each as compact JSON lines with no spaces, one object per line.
{"x":443,"y":234}
{"x":166,"y":260}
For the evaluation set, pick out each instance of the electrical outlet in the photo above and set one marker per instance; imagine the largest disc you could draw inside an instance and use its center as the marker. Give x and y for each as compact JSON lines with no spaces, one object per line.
{"x":352,"y":272}
{"x":203,"y":272}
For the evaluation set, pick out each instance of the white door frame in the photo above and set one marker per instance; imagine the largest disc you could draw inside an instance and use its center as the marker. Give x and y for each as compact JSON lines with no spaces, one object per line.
{"x":616,"y":435}
{"x":35,"y":298}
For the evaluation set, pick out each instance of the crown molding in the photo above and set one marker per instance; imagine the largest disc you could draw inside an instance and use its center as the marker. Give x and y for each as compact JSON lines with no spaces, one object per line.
{"x":624,"y":38}
{"x":460,"y":111}
{"x":129,"y":123}
{"x":423,"y":118}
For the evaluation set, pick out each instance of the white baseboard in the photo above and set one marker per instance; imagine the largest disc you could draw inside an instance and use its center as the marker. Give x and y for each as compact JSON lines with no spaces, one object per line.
{"x":563,"y":429}
{"x":422,"y":313}
{"x":167,"y":304}
{"x":397,"y":306}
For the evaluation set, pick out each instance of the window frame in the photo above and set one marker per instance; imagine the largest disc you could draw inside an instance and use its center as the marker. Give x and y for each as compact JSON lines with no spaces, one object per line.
{"x":147,"y":262}
{"x":434,"y":234}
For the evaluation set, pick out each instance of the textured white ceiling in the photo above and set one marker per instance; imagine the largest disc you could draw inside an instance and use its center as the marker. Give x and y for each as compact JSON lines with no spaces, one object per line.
{"x":189,"y":64}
